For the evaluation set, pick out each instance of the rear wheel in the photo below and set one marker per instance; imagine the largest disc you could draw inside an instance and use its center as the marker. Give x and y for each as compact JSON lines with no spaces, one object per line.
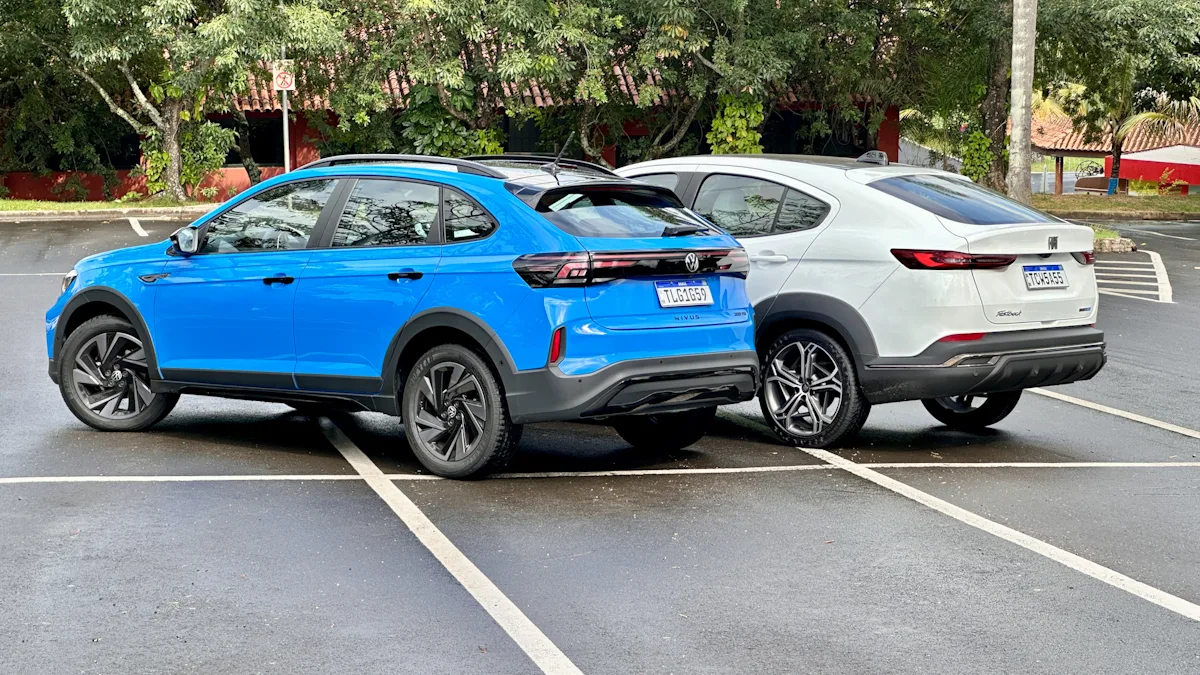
{"x":105,"y":380}
{"x":665,"y":431}
{"x":972,"y":413}
{"x":455,"y":415}
{"x":810,"y":394}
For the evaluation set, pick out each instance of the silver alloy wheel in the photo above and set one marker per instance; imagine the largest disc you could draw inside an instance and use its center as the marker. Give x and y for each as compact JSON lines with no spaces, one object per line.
{"x":111,"y":377}
{"x":803,"y":388}
{"x":961,"y":404}
{"x":451,"y":412}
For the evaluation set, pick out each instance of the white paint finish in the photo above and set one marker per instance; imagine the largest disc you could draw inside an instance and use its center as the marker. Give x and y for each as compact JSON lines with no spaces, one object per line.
{"x":137,"y":227}
{"x":1075,"y":562}
{"x":1167,"y":426}
{"x":548,"y":657}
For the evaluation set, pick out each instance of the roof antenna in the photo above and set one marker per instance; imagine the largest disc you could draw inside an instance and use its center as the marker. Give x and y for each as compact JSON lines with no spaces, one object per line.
{"x":552,"y":168}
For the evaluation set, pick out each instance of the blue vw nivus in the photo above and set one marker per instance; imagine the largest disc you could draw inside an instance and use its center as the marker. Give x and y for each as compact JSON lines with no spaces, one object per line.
{"x":467,"y":297}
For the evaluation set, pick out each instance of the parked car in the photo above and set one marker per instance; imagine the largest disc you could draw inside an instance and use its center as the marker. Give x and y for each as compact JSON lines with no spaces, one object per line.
{"x":874,"y":283}
{"x":468,"y":298}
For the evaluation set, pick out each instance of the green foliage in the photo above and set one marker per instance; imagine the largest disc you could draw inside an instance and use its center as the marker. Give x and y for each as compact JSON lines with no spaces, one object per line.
{"x":735,"y":128}
{"x":70,"y":189}
{"x":977,"y":156}
{"x":203,"y":145}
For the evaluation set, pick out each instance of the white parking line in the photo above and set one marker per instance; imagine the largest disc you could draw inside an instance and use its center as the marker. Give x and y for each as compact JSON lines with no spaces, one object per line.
{"x":137,"y":227}
{"x":1077,"y":563}
{"x":32,"y":274}
{"x":1027,"y":465}
{"x":172,"y":479}
{"x":1160,"y":234}
{"x":548,"y":657}
{"x":1165,"y":294}
{"x":1167,"y":426}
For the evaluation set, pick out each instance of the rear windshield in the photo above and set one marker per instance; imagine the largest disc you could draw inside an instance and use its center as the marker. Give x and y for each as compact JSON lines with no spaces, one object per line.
{"x":960,"y":200}
{"x":605,"y":212}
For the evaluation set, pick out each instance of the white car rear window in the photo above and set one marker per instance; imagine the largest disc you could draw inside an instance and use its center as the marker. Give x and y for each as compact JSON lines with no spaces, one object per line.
{"x":960,"y":200}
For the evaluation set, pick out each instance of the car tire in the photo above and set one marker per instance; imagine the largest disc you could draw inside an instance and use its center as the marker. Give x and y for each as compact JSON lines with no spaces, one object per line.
{"x":831,"y":383}
{"x":962,"y":412}
{"x":455,"y":414}
{"x":665,"y":431}
{"x":104,"y":377}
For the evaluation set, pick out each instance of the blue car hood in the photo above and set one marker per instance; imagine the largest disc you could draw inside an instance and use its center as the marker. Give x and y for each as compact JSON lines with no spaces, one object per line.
{"x":146,"y":253}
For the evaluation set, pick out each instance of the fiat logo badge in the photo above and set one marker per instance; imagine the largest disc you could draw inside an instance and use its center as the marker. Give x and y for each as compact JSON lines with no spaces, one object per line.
{"x":692,"y":262}
{"x":1052,"y":243}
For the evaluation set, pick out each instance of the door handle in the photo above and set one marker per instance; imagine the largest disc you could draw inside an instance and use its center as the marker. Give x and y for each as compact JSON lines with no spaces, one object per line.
{"x":772,"y":259}
{"x":407,"y":274}
{"x":277,"y":280}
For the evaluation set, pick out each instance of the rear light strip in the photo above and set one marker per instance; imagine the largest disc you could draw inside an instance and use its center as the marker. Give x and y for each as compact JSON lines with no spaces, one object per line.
{"x":545,"y":270}
{"x":1085,"y":257}
{"x":951,"y":260}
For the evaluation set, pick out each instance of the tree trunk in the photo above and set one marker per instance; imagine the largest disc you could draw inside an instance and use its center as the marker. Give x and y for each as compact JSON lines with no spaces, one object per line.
{"x":1024,"y":42}
{"x":242,"y":126}
{"x":994,"y":109}
{"x":172,"y":175}
{"x":1114,"y":178}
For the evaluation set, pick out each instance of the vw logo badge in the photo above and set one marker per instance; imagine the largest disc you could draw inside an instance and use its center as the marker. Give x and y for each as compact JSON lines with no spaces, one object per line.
{"x":1052,"y":243}
{"x":692,"y":262}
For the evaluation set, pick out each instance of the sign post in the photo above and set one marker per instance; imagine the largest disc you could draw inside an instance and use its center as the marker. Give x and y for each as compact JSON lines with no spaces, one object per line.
{"x":284,"y":80}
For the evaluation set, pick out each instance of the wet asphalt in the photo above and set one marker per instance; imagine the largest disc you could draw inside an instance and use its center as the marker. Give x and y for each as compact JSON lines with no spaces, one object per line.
{"x":796,"y":571}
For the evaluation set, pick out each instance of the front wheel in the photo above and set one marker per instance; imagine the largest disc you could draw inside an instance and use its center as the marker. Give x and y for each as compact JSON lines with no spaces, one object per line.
{"x":972,"y":413}
{"x":665,"y":431}
{"x":105,"y":379}
{"x":455,"y":415}
{"x":810,"y":394}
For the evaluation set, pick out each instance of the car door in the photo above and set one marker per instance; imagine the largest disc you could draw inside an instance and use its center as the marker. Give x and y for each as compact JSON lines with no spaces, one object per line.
{"x":773,"y":218}
{"x":375,"y":262}
{"x":224,"y":314}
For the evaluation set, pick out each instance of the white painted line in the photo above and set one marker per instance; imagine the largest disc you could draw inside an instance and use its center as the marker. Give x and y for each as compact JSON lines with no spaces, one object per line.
{"x":1077,"y":563}
{"x":1122,"y":262}
{"x":1130,"y":283}
{"x":1128,"y":276}
{"x":1125,"y":291}
{"x":172,"y":479}
{"x":1160,"y":234}
{"x":32,"y":274}
{"x":1165,"y":294}
{"x":1028,"y":465}
{"x":665,"y":472}
{"x":137,"y":227}
{"x":529,"y":637}
{"x":1191,"y":433}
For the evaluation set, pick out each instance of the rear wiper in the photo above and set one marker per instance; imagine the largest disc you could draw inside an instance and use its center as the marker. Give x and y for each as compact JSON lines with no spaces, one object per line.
{"x":682,"y":230}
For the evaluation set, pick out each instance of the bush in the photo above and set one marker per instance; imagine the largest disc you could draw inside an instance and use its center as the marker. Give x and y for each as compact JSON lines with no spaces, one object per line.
{"x":734,"y":130}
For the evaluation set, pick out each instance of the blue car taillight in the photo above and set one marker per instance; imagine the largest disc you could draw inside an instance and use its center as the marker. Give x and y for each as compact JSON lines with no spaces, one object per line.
{"x":544,"y":270}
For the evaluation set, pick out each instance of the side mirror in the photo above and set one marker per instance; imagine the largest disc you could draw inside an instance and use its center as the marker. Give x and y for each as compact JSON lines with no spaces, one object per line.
{"x":186,"y":239}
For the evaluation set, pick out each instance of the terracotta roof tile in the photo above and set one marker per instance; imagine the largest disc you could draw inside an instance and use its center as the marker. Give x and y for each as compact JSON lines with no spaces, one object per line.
{"x":1057,"y":135}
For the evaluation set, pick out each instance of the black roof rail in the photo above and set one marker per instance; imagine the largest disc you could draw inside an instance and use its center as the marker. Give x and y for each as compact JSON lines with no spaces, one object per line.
{"x":540,"y":159}
{"x":463,"y":165}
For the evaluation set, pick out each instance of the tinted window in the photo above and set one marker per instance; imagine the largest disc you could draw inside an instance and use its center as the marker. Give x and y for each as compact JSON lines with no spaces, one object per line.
{"x":740,"y":205}
{"x":604,"y":212}
{"x":667,"y":180}
{"x":388,"y":213}
{"x":799,"y":212}
{"x":465,"y":220}
{"x":959,"y":200}
{"x":279,"y":218}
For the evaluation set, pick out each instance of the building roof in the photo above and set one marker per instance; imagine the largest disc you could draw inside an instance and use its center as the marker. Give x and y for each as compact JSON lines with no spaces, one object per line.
{"x":1056,"y":135}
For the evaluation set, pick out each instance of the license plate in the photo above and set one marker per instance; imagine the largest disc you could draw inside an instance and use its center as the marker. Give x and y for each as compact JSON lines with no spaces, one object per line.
{"x":683,"y":293}
{"x":1038,"y":277}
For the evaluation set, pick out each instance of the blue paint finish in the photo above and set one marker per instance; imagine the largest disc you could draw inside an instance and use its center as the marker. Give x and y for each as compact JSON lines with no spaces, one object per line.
{"x":342,"y":312}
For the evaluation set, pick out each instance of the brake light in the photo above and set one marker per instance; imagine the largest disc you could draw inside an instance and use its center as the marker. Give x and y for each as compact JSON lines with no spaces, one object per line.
{"x":545,"y":270}
{"x":558,"y":344}
{"x":1085,"y":257}
{"x":951,"y":260}
{"x":962,"y":337}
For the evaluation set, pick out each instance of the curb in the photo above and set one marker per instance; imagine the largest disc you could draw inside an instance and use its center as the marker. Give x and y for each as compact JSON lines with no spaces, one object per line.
{"x":1093,"y":216}
{"x":75,"y":214}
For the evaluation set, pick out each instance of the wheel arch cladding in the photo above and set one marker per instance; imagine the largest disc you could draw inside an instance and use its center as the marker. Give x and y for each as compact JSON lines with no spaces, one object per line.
{"x":438,"y":326}
{"x":92,"y":302}
{"x":788,"y":311}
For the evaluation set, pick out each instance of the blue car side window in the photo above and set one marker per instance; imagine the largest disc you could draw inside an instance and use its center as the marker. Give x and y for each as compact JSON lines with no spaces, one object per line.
{"x":465,"y":220}
{"x":388,"y":213}
{"x":279,"y":218}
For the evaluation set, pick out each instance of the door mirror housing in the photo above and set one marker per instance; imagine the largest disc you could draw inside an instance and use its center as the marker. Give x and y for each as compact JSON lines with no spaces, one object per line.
{"x":186,"y":239}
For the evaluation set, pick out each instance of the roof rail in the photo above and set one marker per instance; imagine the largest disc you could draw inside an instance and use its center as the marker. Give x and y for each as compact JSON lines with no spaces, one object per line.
{"x":540,"y":159}
{"x":463,"y":165}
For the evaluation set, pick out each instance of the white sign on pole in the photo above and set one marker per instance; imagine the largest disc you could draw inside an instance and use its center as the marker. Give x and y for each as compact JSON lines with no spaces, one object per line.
{"x":283,"y":77}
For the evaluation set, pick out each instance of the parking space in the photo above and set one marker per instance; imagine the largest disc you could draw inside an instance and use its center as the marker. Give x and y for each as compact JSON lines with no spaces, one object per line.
{"x":236,"y":537}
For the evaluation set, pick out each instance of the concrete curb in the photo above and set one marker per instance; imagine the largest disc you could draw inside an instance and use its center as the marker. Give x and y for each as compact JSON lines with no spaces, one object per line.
{"x":1101,"y":216}
{"x":138,"y":212}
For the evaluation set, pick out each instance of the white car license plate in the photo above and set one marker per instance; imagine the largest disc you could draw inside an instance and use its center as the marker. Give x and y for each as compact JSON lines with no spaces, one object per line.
{"x":1038,"y":277}
{"x":683,"y":293}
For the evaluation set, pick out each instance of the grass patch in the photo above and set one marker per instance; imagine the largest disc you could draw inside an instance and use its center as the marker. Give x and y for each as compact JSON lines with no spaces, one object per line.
{"x":39,"y":205}
{"x":1117,"y":204}
{"x":1102,"y":232}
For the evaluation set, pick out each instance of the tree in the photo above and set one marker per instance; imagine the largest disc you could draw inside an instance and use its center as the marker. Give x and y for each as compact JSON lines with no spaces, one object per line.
{"x":171,"y":56}
{"x":1023,"y":43}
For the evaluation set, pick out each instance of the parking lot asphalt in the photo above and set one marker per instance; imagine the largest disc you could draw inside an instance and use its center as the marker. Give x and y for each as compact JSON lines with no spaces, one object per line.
{"x":235,"y":537}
